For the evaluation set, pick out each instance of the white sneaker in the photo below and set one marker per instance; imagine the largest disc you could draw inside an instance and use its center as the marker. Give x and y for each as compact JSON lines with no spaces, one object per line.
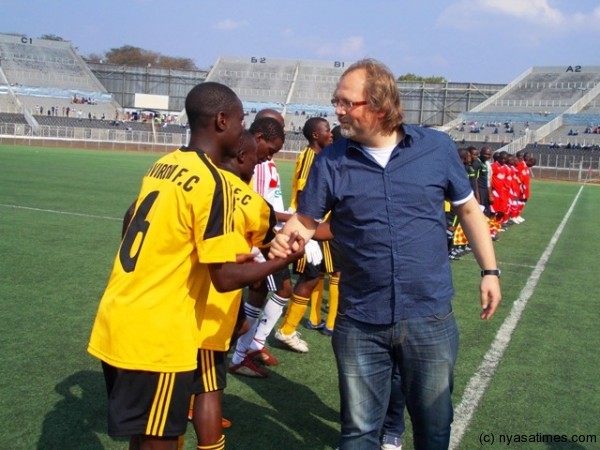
{"x":293,"y":341}
{"x":391,"y":447}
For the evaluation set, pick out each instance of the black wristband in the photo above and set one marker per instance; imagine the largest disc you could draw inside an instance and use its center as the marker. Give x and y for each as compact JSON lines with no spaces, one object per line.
{"x":495,"y":272}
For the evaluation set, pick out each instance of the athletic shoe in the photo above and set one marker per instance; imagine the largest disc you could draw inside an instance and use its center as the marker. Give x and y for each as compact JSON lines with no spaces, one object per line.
{"x":248,"y":369}
{"x":391,"y":447}
{"x":263,"y":356}
{"x":327,"y":331}
{"x":391,"y":443}
{"x":311,"y":326}
{"x":293,"y":341}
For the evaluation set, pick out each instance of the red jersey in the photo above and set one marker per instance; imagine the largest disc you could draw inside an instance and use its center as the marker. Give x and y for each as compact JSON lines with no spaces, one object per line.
{"x":525,"y":176}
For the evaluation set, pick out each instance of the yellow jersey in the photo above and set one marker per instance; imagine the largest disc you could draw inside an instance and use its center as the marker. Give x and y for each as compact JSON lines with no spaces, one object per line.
{"x":301,"y":171}
{"x":254,"y":221}
{"x":183,"y":220}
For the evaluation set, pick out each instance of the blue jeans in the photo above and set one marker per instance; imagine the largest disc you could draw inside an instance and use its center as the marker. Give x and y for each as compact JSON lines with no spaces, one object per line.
{"x":424,"y":350}
{"x":393,"y":424}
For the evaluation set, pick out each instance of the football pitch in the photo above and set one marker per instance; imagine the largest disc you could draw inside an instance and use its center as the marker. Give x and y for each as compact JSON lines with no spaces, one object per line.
{"x":527,"y":379}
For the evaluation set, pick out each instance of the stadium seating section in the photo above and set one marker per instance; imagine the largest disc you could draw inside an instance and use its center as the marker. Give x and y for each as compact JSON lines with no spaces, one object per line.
{"x":46,"y":88}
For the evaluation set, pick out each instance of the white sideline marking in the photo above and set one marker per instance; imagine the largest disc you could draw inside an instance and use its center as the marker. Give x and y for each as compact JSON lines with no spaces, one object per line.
{"x":504,"y":264}
{"x":66,"y":213}
{"x":480,"y":380}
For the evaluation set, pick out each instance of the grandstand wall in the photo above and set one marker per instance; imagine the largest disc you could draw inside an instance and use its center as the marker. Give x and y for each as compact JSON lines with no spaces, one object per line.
{"x":123,"y":82}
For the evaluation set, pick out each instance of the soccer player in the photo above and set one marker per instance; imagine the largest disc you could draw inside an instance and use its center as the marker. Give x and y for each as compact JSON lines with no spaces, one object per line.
{"x":515,"y":190}
{"x":459,"y":239}
{"x":500,"y":191}
{"x":268,"y":129}
{"x":254,"y":223}
{"x":317,"y":132}
{"x":180,"y":238}
{"x":482,"y":165}
{"x":524,"y":175}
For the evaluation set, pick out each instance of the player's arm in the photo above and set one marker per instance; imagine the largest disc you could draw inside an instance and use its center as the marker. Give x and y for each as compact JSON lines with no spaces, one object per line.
{"x":476,"y":229}
{"x":282,"y":245}
{"x":231,"y":276}
{"x":127,"y":218}
{"x":323,"y":232}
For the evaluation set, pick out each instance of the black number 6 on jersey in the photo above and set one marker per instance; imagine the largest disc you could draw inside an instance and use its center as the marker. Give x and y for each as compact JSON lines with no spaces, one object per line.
{"x":138,"y":224}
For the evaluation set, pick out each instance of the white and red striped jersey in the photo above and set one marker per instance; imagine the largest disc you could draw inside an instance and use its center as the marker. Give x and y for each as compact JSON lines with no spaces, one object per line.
{"x":266,"y":182}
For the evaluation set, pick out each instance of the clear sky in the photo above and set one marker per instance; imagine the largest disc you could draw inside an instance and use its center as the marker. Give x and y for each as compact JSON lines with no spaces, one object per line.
{"x":485,"y":41}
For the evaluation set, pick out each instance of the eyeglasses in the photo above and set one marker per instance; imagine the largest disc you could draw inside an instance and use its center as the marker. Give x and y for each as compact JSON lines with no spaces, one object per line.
{"x":346,"y":105}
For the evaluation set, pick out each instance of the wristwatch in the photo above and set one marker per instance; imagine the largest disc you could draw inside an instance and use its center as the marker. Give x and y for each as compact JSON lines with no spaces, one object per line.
{"x":495,"y":272}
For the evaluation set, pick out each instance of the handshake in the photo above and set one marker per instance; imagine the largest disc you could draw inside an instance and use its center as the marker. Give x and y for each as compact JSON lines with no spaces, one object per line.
{"x":312,"y":251}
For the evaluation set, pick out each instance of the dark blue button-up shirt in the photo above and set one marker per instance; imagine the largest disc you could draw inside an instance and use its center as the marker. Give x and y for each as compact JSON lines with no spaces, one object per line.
{"x":390,"y":223}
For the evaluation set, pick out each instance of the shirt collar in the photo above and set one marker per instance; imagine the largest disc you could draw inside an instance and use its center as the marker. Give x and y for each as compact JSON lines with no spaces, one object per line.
{"x":409,"y":138}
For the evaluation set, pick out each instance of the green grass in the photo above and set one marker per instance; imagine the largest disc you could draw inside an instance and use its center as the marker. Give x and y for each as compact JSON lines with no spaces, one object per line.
{"x":60,"y":213}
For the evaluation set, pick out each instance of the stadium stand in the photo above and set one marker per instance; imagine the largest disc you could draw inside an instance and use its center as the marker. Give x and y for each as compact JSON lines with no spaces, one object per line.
{"x":255,"y":79}
{"x":298,"y":89}
{"x":44,"y":74}
{"x":47,"y":91}
{"x":536,"y":106}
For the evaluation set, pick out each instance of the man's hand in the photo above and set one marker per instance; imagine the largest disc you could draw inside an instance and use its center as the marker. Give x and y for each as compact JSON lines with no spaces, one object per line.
{"x":490,"y":295}
{"x":282,"y":245}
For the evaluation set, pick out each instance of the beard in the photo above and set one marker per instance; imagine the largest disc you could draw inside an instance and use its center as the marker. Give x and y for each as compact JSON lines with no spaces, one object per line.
{"x":346,"y":130}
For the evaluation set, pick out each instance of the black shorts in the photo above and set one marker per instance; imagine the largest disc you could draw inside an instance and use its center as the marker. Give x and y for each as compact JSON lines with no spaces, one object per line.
{"x":211,"y":372}
{"x":276,"y":279}
{"x":147,"y":403}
